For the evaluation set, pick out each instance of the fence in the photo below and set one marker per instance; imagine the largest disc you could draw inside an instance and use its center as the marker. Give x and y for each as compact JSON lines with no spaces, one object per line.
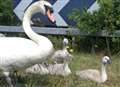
{"x":57,"y":31}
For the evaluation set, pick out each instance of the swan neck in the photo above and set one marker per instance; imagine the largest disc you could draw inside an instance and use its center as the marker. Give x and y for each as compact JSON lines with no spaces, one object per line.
{"x":67,"y":69}
{"x":26,"y":22}
{"x":64,"y":47}
{"x":103,"y":73}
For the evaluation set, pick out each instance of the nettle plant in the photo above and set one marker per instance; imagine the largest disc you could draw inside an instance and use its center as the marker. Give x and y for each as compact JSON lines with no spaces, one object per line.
{"x":106,"y":18}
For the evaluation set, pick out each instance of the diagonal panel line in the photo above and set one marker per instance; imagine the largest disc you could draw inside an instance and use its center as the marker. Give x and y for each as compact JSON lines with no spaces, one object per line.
{"x":95,"y":6}
{"x":19,"y":10}
{"x":58,"y":6}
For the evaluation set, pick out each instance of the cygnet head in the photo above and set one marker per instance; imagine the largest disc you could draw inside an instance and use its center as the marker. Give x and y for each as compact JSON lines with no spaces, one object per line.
{"x":65,"y":42}
{"x":106,"y":60}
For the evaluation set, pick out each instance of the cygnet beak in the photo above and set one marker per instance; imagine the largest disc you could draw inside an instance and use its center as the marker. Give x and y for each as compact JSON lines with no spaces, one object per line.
{"x":109,"y":61}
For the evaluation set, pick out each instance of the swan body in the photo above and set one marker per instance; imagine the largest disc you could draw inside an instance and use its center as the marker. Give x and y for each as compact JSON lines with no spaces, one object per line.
{"x":59,"y":56}
{"x":19,"y":53}
{"x":95,"y":75}
{"x":37,"y":69}
{"x":59,"y":69}
{"x":52,"y":69}
{"x":63,"y":55}
{"x":2,"y":35}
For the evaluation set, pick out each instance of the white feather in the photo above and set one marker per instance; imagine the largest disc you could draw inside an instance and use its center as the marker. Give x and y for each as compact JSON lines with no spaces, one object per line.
{"x":95,"y":75}
{"x":61,"y":56}
{"x":19,"y":53}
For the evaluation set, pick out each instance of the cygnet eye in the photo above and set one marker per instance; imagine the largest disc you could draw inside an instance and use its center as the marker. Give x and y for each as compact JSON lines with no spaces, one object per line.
{"x":106,"y":60}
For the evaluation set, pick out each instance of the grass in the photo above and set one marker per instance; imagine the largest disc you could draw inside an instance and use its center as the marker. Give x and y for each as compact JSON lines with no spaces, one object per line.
{"x":80,"y":61}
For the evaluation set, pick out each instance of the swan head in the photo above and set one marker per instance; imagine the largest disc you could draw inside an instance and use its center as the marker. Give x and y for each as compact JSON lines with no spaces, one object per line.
{"x":48,"y":10}
{"x":106,"y":60}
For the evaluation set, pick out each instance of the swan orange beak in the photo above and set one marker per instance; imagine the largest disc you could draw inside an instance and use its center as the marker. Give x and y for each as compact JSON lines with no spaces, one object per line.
{"x":51,"y":16}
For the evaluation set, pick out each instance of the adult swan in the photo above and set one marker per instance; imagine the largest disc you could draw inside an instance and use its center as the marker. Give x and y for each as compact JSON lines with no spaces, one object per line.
{"x":20,"y":53}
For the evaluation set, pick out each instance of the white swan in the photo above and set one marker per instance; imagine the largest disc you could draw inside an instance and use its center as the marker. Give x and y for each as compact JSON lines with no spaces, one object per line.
{"x":60,"y":56}
{"x":63,"y":55}
{"x":65,"y":42}
{"x":18,"y":53}
{"x":59,"y":69}
{"x":95,"y":75}
{"x":52,"y":69}
{"x":2,"y":35}
{"x":37,"y":69}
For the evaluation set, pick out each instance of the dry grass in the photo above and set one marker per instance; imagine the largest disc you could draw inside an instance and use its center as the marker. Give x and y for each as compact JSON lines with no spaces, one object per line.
{"x":80,"y":61}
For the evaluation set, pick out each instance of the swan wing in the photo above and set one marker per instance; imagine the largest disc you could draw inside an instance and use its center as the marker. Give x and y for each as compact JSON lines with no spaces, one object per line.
{"x":90,"y":74}
{"x":16,"y":52}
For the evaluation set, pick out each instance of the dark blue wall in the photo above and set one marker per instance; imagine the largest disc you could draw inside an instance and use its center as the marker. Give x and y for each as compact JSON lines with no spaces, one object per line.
{"x":73,"y":4}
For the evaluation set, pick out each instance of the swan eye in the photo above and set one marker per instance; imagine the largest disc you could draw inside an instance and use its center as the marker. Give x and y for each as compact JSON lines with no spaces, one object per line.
{"x":48,"y":8}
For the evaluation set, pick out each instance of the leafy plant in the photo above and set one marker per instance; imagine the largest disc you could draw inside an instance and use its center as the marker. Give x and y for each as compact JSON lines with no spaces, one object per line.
{"x":106,"y":18}
{"x":6,"y":13}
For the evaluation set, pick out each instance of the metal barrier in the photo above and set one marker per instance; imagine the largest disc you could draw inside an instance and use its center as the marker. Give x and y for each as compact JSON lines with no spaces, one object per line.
{"x":57,"y":31}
